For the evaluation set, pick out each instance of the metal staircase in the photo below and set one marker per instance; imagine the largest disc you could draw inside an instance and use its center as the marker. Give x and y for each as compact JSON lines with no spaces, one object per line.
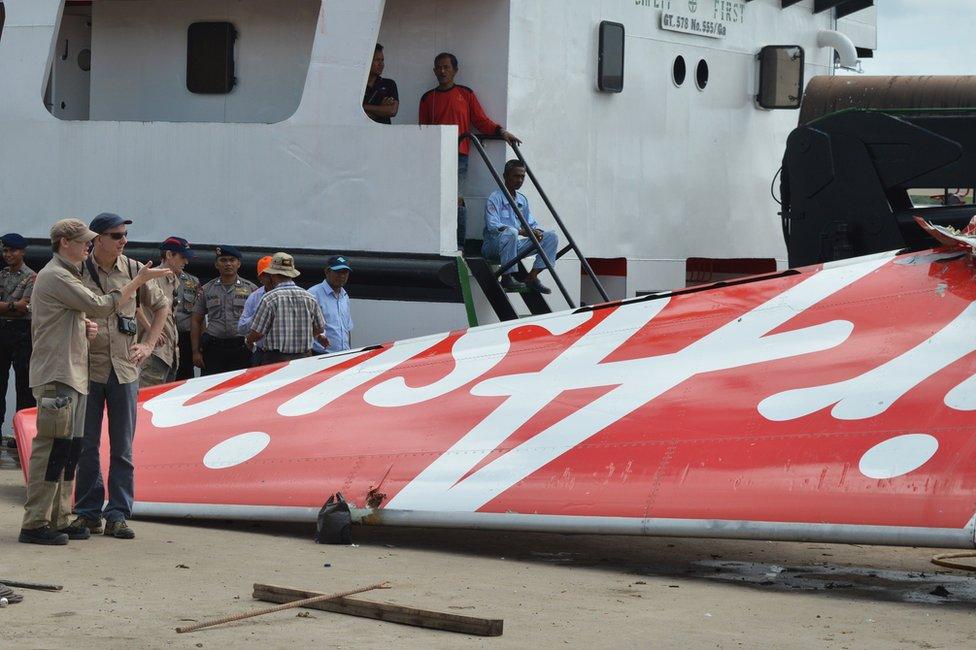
{"x":488,"y":272}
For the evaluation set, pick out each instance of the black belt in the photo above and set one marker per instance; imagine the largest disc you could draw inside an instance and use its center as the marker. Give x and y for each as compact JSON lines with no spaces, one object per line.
{"x":14,"y":324}
{"x":213,"y":341}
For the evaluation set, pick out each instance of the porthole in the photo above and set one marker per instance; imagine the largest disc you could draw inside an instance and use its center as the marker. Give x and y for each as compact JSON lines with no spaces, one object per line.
{"x":701,"y":75}
{"x":679,"y":71}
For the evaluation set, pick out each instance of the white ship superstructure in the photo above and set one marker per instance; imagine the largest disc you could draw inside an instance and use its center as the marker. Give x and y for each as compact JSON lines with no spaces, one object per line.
{"x":96,"y":114}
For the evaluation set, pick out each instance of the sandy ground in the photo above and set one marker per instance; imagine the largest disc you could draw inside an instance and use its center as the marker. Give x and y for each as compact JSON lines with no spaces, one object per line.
{"x":551,"y":590}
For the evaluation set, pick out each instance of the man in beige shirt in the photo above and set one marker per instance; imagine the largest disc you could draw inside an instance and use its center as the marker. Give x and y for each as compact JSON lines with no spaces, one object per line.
{"x":115,"y":356}
{"x":59,"y":378}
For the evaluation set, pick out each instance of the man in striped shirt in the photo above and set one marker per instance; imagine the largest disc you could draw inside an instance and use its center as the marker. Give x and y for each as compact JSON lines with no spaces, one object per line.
{"x":288,"y":319}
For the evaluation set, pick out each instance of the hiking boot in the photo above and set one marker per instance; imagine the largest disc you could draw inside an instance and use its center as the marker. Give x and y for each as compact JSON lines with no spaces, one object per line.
{"x":94,"y":526}
{"x":78,"y":529}
{"x":538,"y":287}
{"x":511,"y":284}
{"x":46,"y":536}
{"x":119,"y":530}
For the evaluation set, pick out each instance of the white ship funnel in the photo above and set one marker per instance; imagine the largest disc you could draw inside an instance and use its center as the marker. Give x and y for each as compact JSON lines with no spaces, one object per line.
{"x":842,"y":44}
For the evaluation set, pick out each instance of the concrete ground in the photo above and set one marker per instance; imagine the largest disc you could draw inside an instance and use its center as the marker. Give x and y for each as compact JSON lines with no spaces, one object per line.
{"x":551,"y":590}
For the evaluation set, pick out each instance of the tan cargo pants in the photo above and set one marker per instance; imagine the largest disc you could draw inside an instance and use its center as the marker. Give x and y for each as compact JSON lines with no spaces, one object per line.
{"x":54,"y":456}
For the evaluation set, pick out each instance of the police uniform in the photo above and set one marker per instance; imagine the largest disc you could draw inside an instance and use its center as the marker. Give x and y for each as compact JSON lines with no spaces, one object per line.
{"x":184,"y":302}
{"x":222,"y":346}
{"x":15,"y":336}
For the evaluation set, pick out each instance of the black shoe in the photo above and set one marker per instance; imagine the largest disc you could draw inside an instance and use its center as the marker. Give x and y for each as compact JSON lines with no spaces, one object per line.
{"x":45,"y":536}
{"x":10,"y":443}
{"x":511,"y":284}
{"x":94,"y":526}
{"x":119,"y":530}
{"x":538,"y":287}
{"x":77,"y":529}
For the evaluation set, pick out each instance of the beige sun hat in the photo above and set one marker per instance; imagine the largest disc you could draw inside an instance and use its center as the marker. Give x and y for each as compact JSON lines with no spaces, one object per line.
{"x":282,"y":264}
{"x":73,"y":229}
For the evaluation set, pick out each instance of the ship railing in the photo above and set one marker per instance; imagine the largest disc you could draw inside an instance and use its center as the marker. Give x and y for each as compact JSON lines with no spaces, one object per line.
{"x":477,"y":141}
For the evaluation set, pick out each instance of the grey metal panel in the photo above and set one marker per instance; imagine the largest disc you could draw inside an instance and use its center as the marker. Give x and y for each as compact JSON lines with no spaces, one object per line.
{"x":711,"y":528}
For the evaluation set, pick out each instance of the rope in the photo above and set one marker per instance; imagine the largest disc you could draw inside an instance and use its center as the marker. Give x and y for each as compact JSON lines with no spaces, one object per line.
{"x":941,"y":560}
{"x":278,"y":608}
{"x":8,"y":593}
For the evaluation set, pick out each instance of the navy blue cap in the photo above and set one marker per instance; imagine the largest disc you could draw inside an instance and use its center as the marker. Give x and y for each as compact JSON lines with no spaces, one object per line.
{"x":107,"y":221}
{"x":13,"y":240}
{"x":178,"y":245}
{"x":338,"y":263}
{"x":224,"y":250}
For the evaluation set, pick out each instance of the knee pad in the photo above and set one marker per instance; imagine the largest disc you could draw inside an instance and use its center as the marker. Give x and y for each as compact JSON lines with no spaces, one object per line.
{"x":74,"y":453}
{"x":57,"y":460}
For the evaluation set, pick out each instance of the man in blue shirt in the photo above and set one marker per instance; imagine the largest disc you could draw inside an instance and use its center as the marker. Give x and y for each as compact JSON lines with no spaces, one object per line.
{"x":251,"y":308}
{"x":334,"y":301}
{"x":503,"y":231}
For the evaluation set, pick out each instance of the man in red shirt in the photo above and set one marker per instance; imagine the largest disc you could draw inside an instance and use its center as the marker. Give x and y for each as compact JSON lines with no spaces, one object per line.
{"x":450,"y":103}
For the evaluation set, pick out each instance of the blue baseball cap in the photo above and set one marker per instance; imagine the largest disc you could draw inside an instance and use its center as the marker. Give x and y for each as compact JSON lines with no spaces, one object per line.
{"x":107,"y":221}
{"x":225,"y":250}
{"x":338,"y":263}
{"x":178,"y":245}
{"x":13,"y":240}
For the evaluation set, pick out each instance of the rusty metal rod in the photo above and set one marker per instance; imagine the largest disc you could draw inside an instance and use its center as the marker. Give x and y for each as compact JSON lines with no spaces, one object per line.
{"x":279,"y":608}
{"x":30,"y":585}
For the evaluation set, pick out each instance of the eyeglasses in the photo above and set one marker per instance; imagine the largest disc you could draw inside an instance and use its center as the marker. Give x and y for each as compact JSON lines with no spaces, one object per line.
{"x":117,"y":235}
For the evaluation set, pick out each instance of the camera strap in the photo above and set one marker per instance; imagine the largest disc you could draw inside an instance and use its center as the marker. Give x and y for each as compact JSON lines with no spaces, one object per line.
{"x":93,"y":272}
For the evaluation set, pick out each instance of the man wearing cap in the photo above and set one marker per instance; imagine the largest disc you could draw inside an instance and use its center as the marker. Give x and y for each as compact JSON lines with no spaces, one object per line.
{"x":251,"y":308}
{"x":16,"y":284}
{"x":334,"y":302}
{"x":184,"y":302}
{"x":288,"y":318}
{"x":61,"y":306}
{"x":218,"y":347}
{"x":115,"y":357}
{"x":162,"y":364}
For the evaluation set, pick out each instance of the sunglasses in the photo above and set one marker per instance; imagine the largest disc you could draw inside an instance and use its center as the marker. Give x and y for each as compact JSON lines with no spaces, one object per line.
{"x":117,"y":235}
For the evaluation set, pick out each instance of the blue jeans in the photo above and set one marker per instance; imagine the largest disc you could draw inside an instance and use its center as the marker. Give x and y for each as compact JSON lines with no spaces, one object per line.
{"x":507,"y":245}
{"x":90,"y":489}
{"x":462,"y":215}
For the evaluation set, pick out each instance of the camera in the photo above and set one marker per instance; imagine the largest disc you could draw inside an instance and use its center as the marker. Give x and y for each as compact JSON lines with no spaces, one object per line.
{"x":127,"y":325}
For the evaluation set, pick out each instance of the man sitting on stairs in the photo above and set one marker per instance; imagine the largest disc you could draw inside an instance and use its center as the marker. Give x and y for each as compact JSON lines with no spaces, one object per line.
{"x":505,"y":236}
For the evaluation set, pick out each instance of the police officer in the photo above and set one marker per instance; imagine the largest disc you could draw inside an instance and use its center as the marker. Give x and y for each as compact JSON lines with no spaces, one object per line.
{"x":184,"y":302}
{"x":161,"y":367}
{"x":219,"y":347}
{"x":16,"y":284}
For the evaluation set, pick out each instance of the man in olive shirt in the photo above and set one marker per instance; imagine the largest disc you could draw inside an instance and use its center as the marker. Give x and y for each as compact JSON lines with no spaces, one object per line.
{"x":220,"y":348}
{"x":16,"y":283}
{"x":59,"y":378}
{"x":115,"y":356}
{"x":162,"y":365}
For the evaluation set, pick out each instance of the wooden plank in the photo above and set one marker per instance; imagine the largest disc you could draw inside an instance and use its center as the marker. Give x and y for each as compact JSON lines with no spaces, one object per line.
{"x":386,"y":612}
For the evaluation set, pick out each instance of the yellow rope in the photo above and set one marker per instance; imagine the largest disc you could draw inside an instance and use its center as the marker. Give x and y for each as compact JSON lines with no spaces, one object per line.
{"x":941,"y":560}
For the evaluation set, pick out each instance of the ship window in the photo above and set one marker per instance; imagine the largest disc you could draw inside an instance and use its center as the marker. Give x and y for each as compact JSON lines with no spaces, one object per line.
{"x":210,"y":58}
{"x":780,"y":76}
{"x":679,"y":71}
{"x":701,"y":74}
{"x":611,"y":64}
